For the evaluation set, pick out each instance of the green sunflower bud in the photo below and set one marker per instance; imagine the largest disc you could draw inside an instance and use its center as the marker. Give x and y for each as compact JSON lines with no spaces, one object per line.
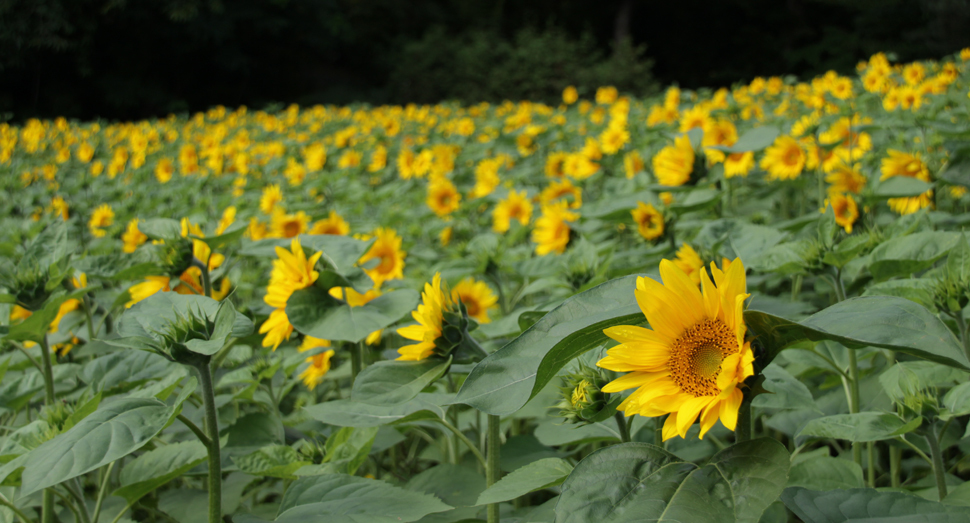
{"x":176,"y":256}
{"x":583,"y":400}
{"x":189,"y":330}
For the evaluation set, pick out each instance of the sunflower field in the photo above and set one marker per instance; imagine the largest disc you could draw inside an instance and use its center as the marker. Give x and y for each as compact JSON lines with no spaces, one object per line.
{"x":741,"y":305}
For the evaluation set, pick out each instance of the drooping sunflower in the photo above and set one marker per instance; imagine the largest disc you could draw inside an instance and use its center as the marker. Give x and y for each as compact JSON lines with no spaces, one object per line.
{"x":292,"y":271}
{"x":515,"y":207}
{"x":691,"y":362}
{"x":387,"y":249}
{"x":562,"y":189}
{"x":429,"y":315}
{"x":784,"y":159}
{"x":674,"y":164}
{"x":650,"y":221}
{"x":477,"y":297}
{"x":552,"y":231}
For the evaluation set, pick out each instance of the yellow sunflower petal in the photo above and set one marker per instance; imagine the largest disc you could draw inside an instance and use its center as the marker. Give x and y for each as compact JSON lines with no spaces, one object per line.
{"x":688,"y":413}
{"x":633,"y":379}
{"x":670,"y":426}
{"x":729,"y":409}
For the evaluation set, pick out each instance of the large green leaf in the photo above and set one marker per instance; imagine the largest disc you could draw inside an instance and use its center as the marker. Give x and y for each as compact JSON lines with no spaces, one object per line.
{"x":901,"y":186}
{"x":864,"y":505}
{"x":537,"y":475}
{"x":919,"y":290}
{"x":878,"y":321}
{"x":339,"y":498}
{"x":507,"y":379}
{"x":395,"y":382}
{"x":906,"y":379}
{"x":634,"y":482}
{"x":157,"y":467}
{"x":275,"y":461}
{"x":862,"y":426}
{"x":826,"y":473}
{"x":349,"y":413}
{"x":36,"y":326}
{"x":115,"y":430}
{"x":752,"y":140}
{"x":314,"y":312}
{"x":908,"y":254}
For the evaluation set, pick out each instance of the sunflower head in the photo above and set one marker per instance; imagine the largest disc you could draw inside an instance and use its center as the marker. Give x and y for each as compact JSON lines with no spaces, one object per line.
{"x":442,"y":330}
{"x":582,"y":398}
{"x":693,"y":361}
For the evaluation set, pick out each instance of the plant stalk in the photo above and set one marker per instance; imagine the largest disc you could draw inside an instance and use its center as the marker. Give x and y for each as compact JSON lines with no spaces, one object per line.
{"x":854,"y":401}
{"x":624,"y":429}
{"x":47,"y":507}
{"x":895,"y":465}
{"x":932,"y":438}
{"x":492,"y":470}
{"x":23,"y":517}
{"x":212,"y":429}
{"x":871,"y":458}
{"x":102,"y":491}
{"x":964,"y":337}
{"x":745,"y":423}
{"x":356,"y":359}
{"x":468,"y":443}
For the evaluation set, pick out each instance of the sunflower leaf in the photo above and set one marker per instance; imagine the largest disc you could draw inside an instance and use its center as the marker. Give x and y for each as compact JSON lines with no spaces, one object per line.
{"x":396,"y":382}
{"x":864,"y":505}
{"x":314,"y":312}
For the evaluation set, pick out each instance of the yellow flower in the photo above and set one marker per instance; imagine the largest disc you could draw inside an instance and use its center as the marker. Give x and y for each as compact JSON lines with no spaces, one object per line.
{"x":845,"y":178}
{"x":85,"y":152}
{"x":292,"y":271}
{"x":695,"y":117}
{"x":309,"y":343}
{"x":378,"y":159}
{"x":650,"y":221}
{"x":443,"y":197}
{"x":632,"y":164}
{"x":738,"y":164}
{"x":692,"y":361}
{"x":552,"y":231}
{"x":689,"y":262}
{"x":149,"y":287}
{"x":164,"y":170}
{"x":319,"y":365}
{"x":674,"y":164}
{"x":606,"y":95}
{"x":429,"y":315}
{"x":256,"y":230}
{"x":60,"y":207}
{"x":554,"y":164}
{"x":562,"y":189}
{"x":515,"y":207}
{"x":904,"y":164}
{"x":387,"y":249}
{"x":718,"y":132}
{"x":102,"y":217}
{"x":288,"y":225}
{"x":444,"y":237}
{"x":132,"y":237}
{"x":613,"y":139}
{"x":228,"y":217}
{"x":476,"y":296}
{"x":570,"y":95}
{"x":784,"y":160}
{"x":271,"y":197}
{"x":332,"y":224}
{"x":846,"y":210}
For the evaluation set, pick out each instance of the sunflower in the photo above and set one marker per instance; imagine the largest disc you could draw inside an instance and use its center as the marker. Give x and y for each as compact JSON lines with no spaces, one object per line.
{"x":132,"y":237}
{"x":318,"y":368}
{"x":285,"y":225}
{"x":911,"y":165}
{"x":784,"y":159}
{"x":570,"y":95}
{"x":515,"y":207}
{"x":149,"y":287}
{"x":271,"y":197}
{"x":164,"y":170}
{"x":429,"y":315}
{"x":102,"y":217}
{"x":650,"y":221}
{"x":554,"y":164}
{"x":562,"y":188}
{"x":846,"y":210}
{"x":292,"y":271}
{"x":846,"y":179}
{"x":718,"y":132}
{"x":60,"y":207}
{"x":632,"y":164}
{"x":738,"y":164}
{"x":387,"y":249}
{"x":332,"y":224}
{"x":694,"y":358}
{"x":613,"y":139}
{"x":477,"y":298}
{"x":689,"y":262}
{"x":443,"y":197}
{"x":552,"y":231}
{"x":674,"y":164}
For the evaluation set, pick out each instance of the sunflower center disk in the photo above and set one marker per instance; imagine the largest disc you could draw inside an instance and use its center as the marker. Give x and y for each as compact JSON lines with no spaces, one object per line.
{"x":695,"y":358}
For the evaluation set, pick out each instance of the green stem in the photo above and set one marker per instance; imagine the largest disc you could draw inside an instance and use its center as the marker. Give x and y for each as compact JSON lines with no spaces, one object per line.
{"x":23,"y":517}
{"x":796,"y":287}
{"x":932,"y":438}
{"x":101,"y":492}
{"x":743,"y":430}
{"x":356,"y":359}
{"x":45,"y":356}
{"x":854,"y":401}
{"x":492,"y":470}
{"x":658,"y":430}
{"x":194,"y":428}
{"x":47,"y":509}
{"x":914,"y":448}
{"x":90,"y":320}
{"x":212,"y":428}
{"x":206,"y":282}
{"x":962,"y":324}
{"x":624,"y":429}
{"x":468,"y":443}
{"x":871,"y":458}
{"x":895,"y":465}
{"x":122,"y":513}
{"x":78,"y":494}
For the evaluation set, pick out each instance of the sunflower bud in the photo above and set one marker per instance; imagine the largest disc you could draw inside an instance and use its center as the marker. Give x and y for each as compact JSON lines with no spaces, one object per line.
{"x":29,"y":285}
{"x":583,"y":400}
{"x":951,"y":294}
{"x":189,"y":330}
{"x":176,"y":256}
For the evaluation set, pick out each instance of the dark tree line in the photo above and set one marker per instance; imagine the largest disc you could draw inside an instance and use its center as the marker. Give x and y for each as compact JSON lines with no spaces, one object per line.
{"x":139,"y":58}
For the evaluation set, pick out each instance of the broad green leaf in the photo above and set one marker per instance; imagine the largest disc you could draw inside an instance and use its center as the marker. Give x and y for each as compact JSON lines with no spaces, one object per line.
{"x":314,"y":312}
{"x":339,"y":252}
{"x":147,"y":318}
{"x":864,"y":505}
{"x":537,"y":475}
{"x":958,"y":261}
{"x":117,"y":267}
{"x":83,"y":410}
{"x":787,"y":258}
{"x":115,"y":430}
{"x":846,"y":250}
{"x":878,"y":321}
{"x":957,"y":401}
{"x":752,"y":140}
{"x":455,"y":485}
{"x":157,"y":467}
{"x":126,"y":367}
{"x":634,"y":482}
{"x":507,"y":379}
{"x":784,"y":391}
{"x":908,"y":254}
{"x":860,"y":427}
{"x":349,"y":413}
{"x":905,"y":379}
{"x":253,"y":432}
{"x":826,"y":473}
{"x":347,"y":449}
{"x":160,"y":228}
{"x":339,"y":498}
{"x":696,"y":200}
{"x":35,"y":327}
{"x":230,"y":237}
{"x":919,"y":290}
{"x":275,"y":461}
{"x":395,"y":382}
{"x":901,"y":186}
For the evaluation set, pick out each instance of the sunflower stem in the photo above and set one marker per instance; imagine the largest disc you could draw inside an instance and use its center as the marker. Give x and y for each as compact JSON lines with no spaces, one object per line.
{"x":492,"y":470}
{"x":206,"y":282}
{"x":871,"y":459}
{"x":745,"y":423}
{"x":356,"y":359}
{"x":102,"y":491}
{"x":212,"y":428}
{"x":658,"y":431}
{"x":932,"y":438}
{"x":895,"y":464}
{"x":45,"y":356}
{"x":962,"y":324}
{"x":23,"y":517}
{"x":854,"y":401}
{"x":624,"y":429}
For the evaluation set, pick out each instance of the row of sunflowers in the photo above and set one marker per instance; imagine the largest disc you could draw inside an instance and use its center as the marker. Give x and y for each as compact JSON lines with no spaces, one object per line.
{"x":741,"y":304}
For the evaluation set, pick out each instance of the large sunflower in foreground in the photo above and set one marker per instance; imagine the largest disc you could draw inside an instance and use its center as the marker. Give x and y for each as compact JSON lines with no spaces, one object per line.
{"x":691,"y":363}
